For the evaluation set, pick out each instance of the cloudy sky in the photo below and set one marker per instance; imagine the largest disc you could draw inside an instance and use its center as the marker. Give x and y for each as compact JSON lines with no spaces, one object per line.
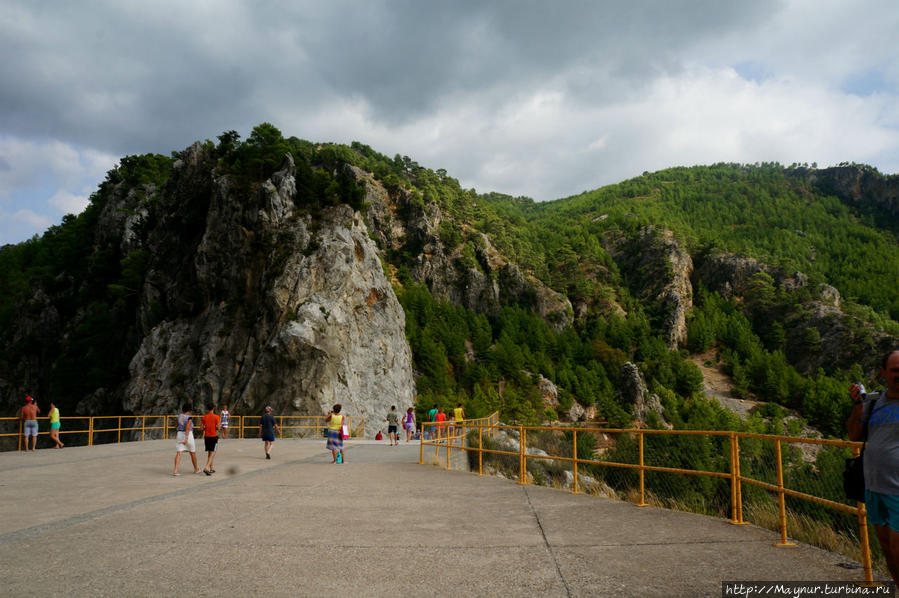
{"x":544,"y":99}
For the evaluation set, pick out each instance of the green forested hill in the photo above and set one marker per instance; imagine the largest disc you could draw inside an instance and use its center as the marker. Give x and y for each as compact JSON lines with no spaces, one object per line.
{"x":781,"y":343}
{"x":765,"y":211}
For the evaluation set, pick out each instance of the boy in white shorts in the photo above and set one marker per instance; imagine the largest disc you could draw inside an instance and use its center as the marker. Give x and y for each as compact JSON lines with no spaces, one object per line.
{"x":185,"y":440}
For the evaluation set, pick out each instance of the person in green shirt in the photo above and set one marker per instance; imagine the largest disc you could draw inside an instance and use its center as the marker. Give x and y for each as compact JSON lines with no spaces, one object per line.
{"x":54,"y":426}
{"x":432,"y":417}
{"x":393,"y":422}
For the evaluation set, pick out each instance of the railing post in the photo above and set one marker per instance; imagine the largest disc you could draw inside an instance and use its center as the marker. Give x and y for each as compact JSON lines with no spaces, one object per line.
{"x":119,"y":431}
{"x":522,"y":463}
{"x":574,"y":463}
{"x":781,"y":500}
{"x":733,"y":479}
{"x":736,"y":490}
{"x":480,"y":450}
{"x":863,"y":535}
{"x":143,"y":426}
{"x":436,"y":439}
{"x":642,"y":502}
{"x":165,"y":427}
{"x":421,"y":446}
{"x":90,"y":432}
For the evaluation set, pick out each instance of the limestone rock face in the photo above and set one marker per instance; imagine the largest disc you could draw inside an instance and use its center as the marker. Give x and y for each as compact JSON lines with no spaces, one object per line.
{"x":856,"y":184}
{"x":633,"y":391}
{"x":660,"y":271}
{"x":270,"y":309}
{"x":398,"y":222}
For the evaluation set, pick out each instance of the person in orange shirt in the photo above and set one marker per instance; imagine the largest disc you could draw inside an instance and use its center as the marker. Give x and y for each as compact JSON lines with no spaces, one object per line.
{"x":210,"y":424}
{"x":441,"y":419}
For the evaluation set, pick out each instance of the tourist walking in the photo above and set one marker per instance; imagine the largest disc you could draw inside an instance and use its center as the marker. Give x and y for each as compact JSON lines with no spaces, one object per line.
{"x":875,"y":420}
{"x":440,"y":418}
{"x":185,"y":439}
{"x":432,"y":417}
{"x":409,"y":423}
{"x":226,"y":420}
{"x":28,"y":417}
{"x":393,"y":423}
{"x":267,"y":428}
{"x":55,"y":426}
{"x":458,"y":416}
{"x":210,"y":423}
{"x":335,"y":433}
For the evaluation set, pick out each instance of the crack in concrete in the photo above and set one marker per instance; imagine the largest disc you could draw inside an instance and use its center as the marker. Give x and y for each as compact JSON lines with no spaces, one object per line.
{"x":546,"y":543}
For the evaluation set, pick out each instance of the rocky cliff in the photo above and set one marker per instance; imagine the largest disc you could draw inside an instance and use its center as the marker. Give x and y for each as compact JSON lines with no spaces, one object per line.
{"x":398,"y":223}
{"x":249,"y":301}
{"x":658,"y":270}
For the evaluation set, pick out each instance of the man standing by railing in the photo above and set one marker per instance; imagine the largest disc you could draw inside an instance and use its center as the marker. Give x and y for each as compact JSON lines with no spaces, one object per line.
{"x":28,"y":415}
{"x":881,"y":412}
{"x":211,"y":425}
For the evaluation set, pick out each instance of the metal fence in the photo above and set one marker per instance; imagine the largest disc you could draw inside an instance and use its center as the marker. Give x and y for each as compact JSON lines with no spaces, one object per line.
{"x":106,"y":429}
{"x":777,"y":481}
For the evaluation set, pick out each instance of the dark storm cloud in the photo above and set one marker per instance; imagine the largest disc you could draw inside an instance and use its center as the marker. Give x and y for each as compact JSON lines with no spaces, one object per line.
{"x":127,"y":77}
{"x":544,"y":99}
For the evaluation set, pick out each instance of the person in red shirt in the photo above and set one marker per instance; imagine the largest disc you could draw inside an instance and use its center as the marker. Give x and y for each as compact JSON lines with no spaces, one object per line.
{"x":210,"y":424}
{"x":441,"y":418}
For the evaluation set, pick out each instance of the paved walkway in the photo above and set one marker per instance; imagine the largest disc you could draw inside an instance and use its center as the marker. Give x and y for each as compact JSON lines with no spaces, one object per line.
{"x":112,"y":521}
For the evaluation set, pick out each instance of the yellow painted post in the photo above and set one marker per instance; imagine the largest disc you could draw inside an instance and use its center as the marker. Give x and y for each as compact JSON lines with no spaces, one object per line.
{"x":642,"y":502}
{"x":165,"y":427}
{"x":119,"y":434}
{"x":733,"y":479}
{"x":421,"y":447}
{"x":143,"y":426}
{"x":20,"y":436}
{"x":480,"y":450}
{"x":450,"y":441}
{"x":522,"y":464}
{"x":90,"y":432}
{"x":739,"y":485}
{"x":863,"y":535}
{"x":781,"y":500}
{"x":574,"y":463}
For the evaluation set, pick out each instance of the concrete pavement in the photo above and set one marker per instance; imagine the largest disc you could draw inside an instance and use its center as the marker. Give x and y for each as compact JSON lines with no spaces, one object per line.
{"x":111,"y":520}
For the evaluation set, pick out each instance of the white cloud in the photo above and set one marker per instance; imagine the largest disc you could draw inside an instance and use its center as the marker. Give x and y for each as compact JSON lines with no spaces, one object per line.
{"x":42,"y":180}
{"x":545,"y":100}
{"x":69,"y":203}
{"x":32,"y":219}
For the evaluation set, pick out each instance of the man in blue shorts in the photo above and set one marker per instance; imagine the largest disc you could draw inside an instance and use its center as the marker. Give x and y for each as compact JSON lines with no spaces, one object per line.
{"x":267,"y":429}
{"x":28,"y":415}
{"x":881,"y":410}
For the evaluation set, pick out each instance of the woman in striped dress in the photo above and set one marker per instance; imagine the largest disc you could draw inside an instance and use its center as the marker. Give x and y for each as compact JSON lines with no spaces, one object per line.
{"x":335,"y":432}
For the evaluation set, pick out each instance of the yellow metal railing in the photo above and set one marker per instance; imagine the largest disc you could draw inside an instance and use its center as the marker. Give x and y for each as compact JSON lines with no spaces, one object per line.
{"x":107,"y":429}
{"x":441,"y":437}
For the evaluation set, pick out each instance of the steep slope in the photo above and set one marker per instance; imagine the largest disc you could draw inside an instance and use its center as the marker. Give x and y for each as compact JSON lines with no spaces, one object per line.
{"x":237,"y":297}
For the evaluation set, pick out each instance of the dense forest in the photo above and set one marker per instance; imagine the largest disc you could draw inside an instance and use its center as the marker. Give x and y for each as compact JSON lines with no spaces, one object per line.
{"x":495,"y":359}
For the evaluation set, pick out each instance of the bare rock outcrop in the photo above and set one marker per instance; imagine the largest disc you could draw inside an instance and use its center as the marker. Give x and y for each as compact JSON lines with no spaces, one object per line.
{"x":271,"y":308}
{"x":659,"y":272}
{"x":634,"y":392}
{"x":397,"y":220}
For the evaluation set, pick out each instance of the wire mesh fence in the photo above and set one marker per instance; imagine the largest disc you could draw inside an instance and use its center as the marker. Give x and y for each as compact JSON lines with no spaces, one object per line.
{"x":790,"y":485}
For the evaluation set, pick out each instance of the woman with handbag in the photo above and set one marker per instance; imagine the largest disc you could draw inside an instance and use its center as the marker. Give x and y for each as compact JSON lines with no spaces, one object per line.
{"x":335,"y":423}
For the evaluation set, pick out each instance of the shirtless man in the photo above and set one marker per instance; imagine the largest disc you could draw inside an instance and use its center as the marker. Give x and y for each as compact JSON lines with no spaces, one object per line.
{"x":28,"y":415}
